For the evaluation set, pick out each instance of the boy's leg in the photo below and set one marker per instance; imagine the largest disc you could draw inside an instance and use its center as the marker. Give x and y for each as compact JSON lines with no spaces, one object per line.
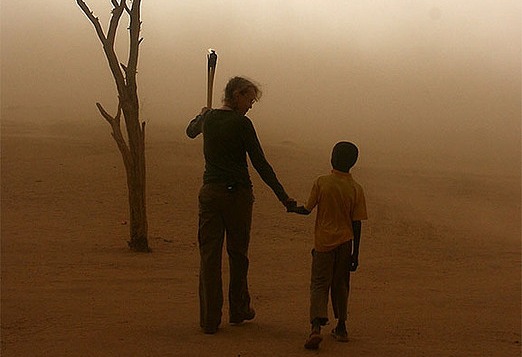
{"x":238,"y":220}
{"x":315,"y":338}
{"x":210,"y":239}
{"x":340,"y":289}
{"x":321,"y":278}
{"x":340,"y":333}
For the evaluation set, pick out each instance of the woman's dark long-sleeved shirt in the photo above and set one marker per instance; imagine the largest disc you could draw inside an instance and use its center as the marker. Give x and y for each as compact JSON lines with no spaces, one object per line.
{"x":227,"y":138}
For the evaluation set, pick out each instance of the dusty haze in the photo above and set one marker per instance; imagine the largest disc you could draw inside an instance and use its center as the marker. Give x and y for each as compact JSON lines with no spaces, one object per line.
{"x":429,"y":90}
{"x":412,"y":82}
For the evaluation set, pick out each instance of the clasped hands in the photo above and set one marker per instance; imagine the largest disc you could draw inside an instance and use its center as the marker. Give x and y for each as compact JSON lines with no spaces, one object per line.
{"x":291,"y":206}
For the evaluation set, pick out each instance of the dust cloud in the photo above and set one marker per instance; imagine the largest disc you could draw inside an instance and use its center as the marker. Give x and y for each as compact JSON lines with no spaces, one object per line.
{"x":414,"y":83}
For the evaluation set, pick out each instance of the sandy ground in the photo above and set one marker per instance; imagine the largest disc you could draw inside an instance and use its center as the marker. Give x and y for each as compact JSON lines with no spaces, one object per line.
{"x":439,"y":273}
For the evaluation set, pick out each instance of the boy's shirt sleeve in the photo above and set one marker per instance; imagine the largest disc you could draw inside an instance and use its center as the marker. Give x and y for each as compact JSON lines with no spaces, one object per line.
{"x":359,"y":209}
{"x":313,"y":199}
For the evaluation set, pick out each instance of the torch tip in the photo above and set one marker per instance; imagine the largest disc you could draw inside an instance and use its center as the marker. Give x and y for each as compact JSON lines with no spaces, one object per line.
{"x":212,"y":58}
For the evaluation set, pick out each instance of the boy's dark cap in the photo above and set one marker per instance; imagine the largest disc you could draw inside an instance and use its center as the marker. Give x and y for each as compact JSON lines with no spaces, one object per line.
{"x":344,"y":156}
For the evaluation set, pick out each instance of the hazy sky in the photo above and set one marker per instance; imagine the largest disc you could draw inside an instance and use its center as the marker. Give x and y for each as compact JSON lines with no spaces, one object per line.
{"x":410,"y":77}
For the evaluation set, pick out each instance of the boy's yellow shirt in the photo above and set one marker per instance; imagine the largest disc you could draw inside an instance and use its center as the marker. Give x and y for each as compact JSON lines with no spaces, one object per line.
{"x":339,"y":200}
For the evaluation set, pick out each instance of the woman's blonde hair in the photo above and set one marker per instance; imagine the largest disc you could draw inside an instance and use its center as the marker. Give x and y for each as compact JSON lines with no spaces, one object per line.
{"x":239,"y":85}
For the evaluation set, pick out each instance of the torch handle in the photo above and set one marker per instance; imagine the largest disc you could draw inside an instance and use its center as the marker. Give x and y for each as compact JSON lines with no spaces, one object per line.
{"x":210,"y":85}
{"x":212,"y":62}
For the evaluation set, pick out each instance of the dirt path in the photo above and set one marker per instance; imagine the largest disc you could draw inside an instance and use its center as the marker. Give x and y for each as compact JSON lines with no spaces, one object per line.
{"x":439,"y":275}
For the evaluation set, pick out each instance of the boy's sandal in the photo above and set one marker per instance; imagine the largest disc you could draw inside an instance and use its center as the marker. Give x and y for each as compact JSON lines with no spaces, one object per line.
{"x":341,"y":337}
{"x":313,"y":341}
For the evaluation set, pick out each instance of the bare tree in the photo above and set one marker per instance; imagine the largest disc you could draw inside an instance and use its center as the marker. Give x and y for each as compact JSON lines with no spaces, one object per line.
{"x":133,"y":151}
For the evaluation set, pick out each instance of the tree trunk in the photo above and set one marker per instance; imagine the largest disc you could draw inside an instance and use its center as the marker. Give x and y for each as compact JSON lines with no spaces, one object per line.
{"x":136,"y":181}
{"x":138,"y":214}
{"x":133,"y":153}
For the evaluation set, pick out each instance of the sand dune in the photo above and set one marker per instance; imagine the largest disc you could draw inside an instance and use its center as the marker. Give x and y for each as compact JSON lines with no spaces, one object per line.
{"x":439,"y":274}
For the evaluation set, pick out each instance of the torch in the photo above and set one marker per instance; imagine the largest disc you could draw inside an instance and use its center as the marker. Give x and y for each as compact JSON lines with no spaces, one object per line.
{"x":212,"y":62}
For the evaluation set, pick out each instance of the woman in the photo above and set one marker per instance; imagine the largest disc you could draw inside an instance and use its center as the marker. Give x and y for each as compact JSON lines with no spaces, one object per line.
{"x":226,"y":200}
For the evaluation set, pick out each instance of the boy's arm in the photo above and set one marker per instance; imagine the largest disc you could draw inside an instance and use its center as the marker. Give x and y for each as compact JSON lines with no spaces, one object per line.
{"x":356,"y":226}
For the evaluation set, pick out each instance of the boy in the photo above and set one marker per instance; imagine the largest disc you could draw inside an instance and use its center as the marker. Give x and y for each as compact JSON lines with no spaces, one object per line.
{"x":340,"y":208}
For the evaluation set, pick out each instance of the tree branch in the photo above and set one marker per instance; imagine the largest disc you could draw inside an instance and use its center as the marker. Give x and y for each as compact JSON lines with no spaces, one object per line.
{"x":95,"y":21}
{"x":115,"y":19}
{"x":116,"y":133}
{"x":108,"y":42}
{"x":110,"y":119}
{"x":134,"y":33}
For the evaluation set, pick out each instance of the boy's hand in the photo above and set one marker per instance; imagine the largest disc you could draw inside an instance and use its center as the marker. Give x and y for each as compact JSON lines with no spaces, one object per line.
{"x":354,"y":263}
{"x":299,"y":210}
